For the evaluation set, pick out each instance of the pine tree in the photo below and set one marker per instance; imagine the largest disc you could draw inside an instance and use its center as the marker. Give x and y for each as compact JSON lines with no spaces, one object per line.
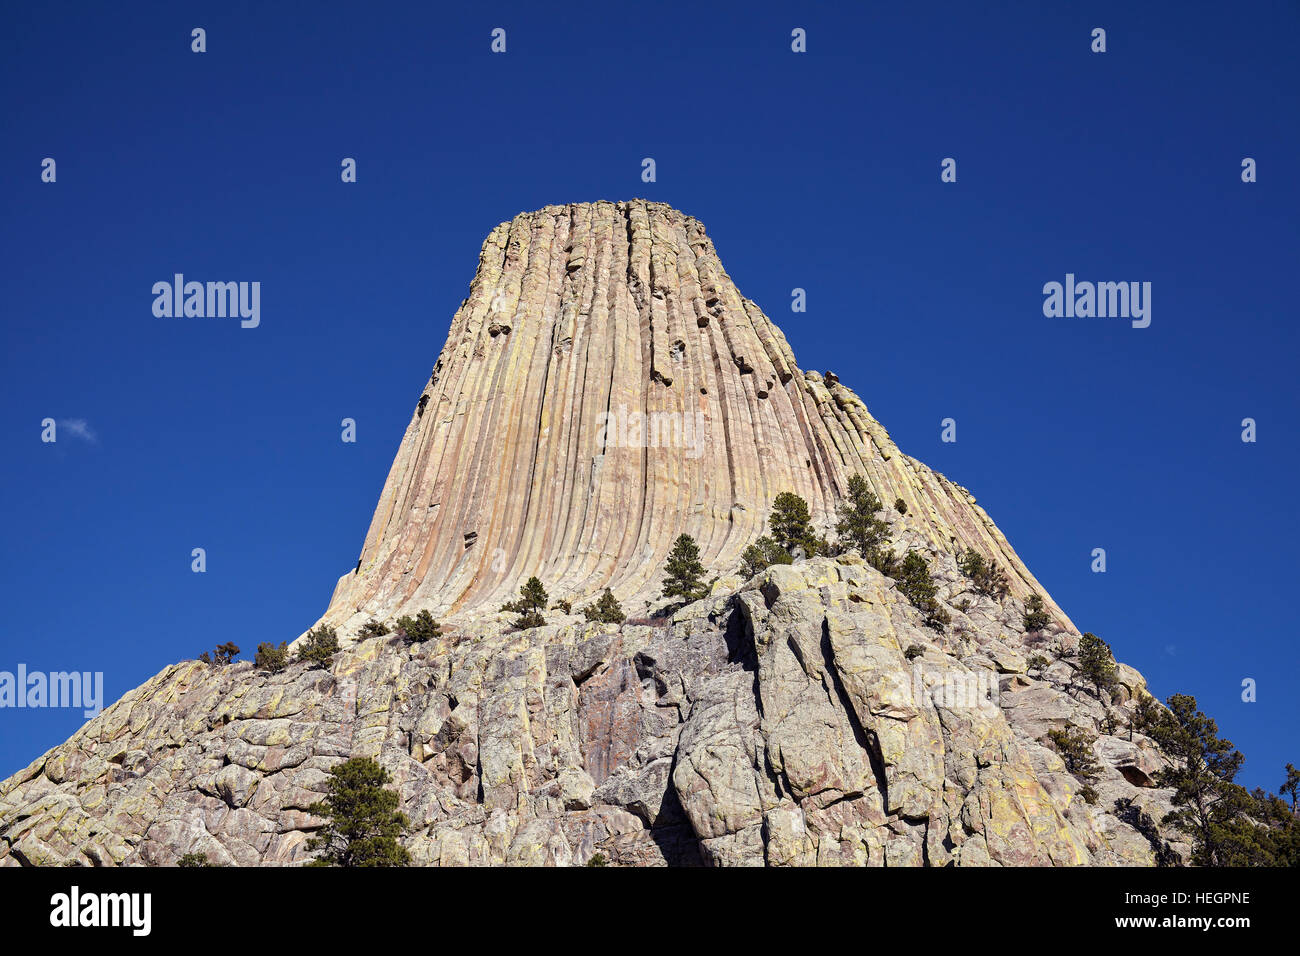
{"x":221,"y":655}
{"x":792,"y":525}
{"x":986,"y":577}
{"x":1228,"y":825}
{"x":1145,"y":714}
{"x":533,"y":594}
{"x":684,"y":572}
{"x":319,"y":647}
{"x":272,"y":658}
{"x":418,"y":629}
{"x":364,"y":823}
{"x":607,"y":610}
{"x":1096,"y":665}
{"x":857,"y":524}
{"x":1075,"y":749}
{"x":1263,"y":832}
{"x":1291,"y":785}
{"x":994,"y":584}
{"x":971,"y":563}
{"x":1036,"y":617}
{"x":916,"y":584}
{"x":761,"y":555}
{"x":1201,"y":774}
{"x":529,"y":607}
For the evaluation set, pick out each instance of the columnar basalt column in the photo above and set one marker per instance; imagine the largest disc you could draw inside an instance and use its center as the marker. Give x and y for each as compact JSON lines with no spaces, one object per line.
{"x":508,"y":468}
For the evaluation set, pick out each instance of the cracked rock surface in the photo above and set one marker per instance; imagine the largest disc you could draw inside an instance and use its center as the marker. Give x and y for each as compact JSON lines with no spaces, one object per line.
{"x":782,"y":724}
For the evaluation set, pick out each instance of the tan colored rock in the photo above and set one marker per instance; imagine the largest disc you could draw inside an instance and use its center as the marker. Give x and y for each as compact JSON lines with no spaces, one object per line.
{"x":504,"y":472}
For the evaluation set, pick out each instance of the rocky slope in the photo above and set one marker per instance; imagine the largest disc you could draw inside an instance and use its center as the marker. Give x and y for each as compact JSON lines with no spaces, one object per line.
{"x":809,"y":718}
{"x":805,"y":716}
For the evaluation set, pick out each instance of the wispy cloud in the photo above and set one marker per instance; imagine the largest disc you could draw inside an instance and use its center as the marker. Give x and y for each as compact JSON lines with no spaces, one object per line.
{"x":80,"y":428}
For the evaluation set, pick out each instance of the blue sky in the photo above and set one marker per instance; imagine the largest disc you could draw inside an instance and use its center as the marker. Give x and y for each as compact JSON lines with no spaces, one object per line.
{"x":817,"y":170}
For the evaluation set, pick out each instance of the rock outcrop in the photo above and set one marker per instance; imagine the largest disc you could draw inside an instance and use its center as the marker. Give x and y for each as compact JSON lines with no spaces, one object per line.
{"x":511,"y":465}
{"x":806,"y":716}
{"x":809,"y":718}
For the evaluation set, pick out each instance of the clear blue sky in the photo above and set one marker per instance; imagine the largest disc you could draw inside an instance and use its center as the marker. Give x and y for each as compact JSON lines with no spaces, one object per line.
{"x":819,"y":171}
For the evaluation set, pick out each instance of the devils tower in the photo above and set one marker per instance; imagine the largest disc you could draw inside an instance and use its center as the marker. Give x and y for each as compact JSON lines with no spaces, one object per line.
{"x":803,"y":716}
{"x":575,"y":313}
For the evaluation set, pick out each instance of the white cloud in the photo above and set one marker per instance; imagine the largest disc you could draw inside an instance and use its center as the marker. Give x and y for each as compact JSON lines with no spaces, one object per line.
{"x":80,"y":428}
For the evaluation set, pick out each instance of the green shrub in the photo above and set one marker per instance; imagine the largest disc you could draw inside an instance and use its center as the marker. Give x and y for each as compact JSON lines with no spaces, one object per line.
{"x":1036,"y":617}
{"x":971,"y":563}
{"x":529,"y":607}
{"x":1075,"y":749}
{"x":1146,"y":712}
{"x":364,"y":823}
{"x":913,"y":652}
{"x":884,"y":560}
{"x":194,"y":859}
{"x":994,"y":584}
{"x":418,"y":629}
{"x":373,"y":628}
{"x":986,"y":577}
{"x":761,"y":555}
{"x":900,"y":506}
{"x":684,"y":574}
{"x":319,"y":647}
{"x":222,"y":654}
{"x":607,"y":610}
{"x":272,"y":658}
{"x":598,"y":859}
{"x":916,"y":584}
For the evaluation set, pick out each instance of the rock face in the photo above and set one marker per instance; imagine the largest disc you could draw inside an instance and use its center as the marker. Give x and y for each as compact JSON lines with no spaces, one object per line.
{"x":511,"y":465}
{"x":804,"y":717}
{"x":809,"y":718}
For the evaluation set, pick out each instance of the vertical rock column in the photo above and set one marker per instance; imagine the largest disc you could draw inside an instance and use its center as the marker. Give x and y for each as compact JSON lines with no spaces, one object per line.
{"x":509,"y":468}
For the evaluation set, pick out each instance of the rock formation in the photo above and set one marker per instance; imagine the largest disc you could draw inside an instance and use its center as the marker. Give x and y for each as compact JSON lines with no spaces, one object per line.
{"x":506,"y":469}
{"x":806,"y":716}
